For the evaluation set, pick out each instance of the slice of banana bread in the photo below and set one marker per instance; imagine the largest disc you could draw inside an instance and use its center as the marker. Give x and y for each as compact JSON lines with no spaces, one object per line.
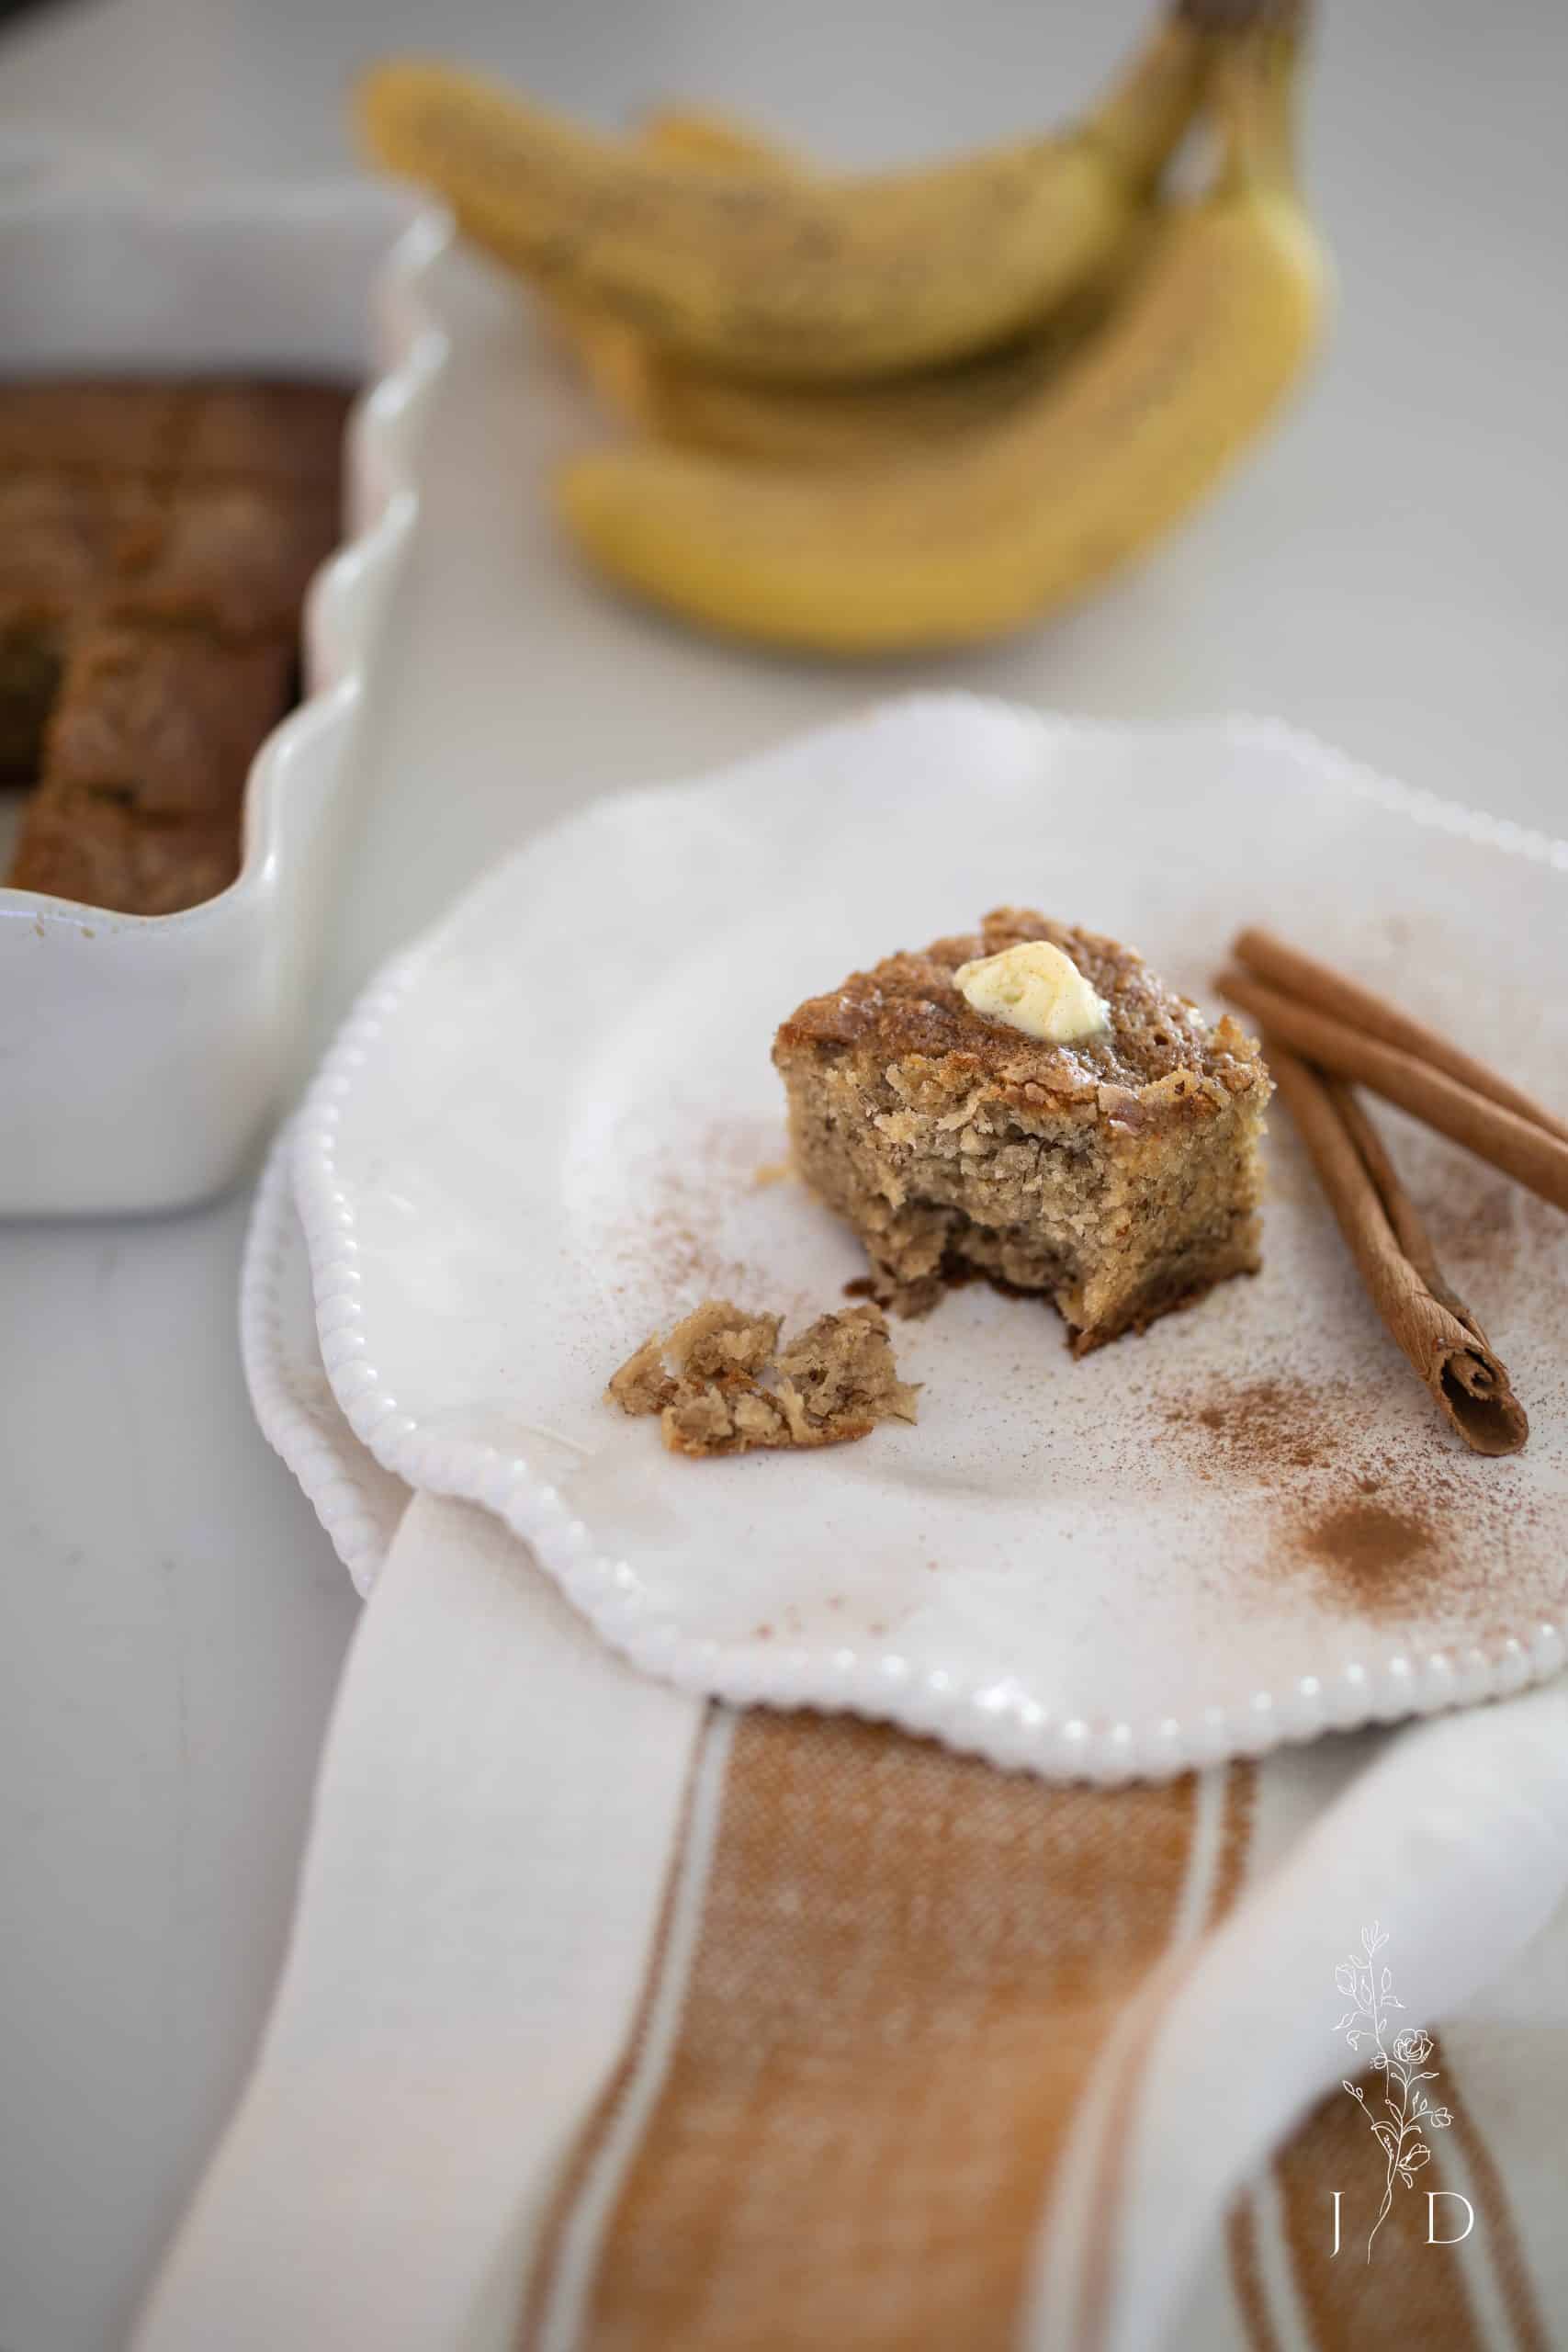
{"x":164,"y":721}
{"x":1117,"y":1174}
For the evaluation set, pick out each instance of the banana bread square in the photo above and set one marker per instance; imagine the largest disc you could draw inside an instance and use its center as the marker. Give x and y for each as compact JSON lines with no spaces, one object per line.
{"x":279,"y":433}
{"x":165,"y":721}
{"x":230,"y":556}
{"x":1117,"y":1175}
{"x":32,"y":653}
{"x":81,"y":846}
{"x":109,"y":427}
{"x":53,"y":541}
{"x":273,"y":431}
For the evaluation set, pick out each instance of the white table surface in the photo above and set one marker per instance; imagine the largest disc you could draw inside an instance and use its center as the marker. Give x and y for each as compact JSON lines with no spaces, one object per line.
{"x":1389,"y":573}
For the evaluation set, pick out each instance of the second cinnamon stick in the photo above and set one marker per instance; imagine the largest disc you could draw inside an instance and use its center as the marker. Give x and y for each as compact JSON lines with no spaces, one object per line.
{"x":1279,"y":966}
{"x":1532,"y":1155}
{"x":1437,"y":1332}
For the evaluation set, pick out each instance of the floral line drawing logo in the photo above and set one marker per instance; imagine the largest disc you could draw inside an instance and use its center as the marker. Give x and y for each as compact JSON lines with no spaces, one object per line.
{"x":1401,"y":2064}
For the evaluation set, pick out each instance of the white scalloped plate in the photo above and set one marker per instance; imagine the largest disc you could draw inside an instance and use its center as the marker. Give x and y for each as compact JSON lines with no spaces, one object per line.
{"x":540,"y":1132}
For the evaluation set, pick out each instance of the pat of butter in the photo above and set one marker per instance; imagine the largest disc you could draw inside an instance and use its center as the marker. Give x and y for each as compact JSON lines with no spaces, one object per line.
{"x":1034,"y":988}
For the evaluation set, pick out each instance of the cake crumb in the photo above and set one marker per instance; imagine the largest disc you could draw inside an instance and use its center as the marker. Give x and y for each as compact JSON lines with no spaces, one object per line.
{"x":721,"y":1383}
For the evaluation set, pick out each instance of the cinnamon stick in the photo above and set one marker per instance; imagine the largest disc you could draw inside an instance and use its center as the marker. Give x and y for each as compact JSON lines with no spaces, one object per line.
{"x":1437,"y":1332}
{"x":1534,"y":1155}
{"x":1317,"y":986}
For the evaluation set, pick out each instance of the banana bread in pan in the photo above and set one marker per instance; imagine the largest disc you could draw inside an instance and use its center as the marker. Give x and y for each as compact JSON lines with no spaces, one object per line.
{"x":155,"y":543}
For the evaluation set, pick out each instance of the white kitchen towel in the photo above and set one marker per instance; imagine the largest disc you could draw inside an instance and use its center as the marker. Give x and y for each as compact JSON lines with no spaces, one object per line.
{"x":613,"y":2018}
{"x":491,"y":1826}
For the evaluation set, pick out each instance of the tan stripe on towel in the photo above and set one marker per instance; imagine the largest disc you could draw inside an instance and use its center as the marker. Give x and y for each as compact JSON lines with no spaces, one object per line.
{"x":907,"y":1966}
{"x":545,"y":2272}
{"x":1340,"y":2319}
{"x":1247,"y":2275}
{"x":1235,"y":1843}
{"x":1162,"y":1986}
{"x":1410,"y":2293}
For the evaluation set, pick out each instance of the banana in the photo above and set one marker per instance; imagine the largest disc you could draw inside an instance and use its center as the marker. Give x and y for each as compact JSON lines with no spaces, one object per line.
{"x":803,"y":277}
{"x":618,"y":360}
{"x":857,"y":425}
{"x":832,"y":424}
{"x":1030,"y":512}
{"x":707,"y":136}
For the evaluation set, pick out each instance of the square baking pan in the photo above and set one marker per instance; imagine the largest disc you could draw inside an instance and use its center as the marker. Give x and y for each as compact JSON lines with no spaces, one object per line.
{"x":140,"y":1056}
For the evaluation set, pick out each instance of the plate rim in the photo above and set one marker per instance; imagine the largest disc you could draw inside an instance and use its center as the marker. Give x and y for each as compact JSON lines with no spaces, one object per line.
{"x":983,"y":1718}
{"x":330,"y":1476}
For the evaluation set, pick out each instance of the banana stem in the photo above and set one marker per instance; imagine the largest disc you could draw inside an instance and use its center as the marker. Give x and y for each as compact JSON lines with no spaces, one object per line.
{"x":1141,"y":118}
{"x":1226,"y":17}
{"x":1252,"y":87}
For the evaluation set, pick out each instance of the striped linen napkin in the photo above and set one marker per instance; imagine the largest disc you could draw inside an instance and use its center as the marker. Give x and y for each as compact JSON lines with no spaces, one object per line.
{"x":615,"y":2019}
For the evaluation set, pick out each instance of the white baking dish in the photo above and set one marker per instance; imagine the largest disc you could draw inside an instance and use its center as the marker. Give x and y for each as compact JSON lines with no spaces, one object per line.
{"x":141,"y":1054}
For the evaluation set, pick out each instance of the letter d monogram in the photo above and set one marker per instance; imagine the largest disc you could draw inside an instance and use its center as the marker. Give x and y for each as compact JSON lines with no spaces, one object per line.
{"x":1432,"y":2197}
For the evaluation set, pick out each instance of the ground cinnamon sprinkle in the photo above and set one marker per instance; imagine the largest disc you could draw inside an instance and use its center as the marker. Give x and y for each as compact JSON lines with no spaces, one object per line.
{"x":1259,"y":1426}
{"x":1479,"y":1219}
{"x":1385,"y":1528}
{"x":1370,"y":1549}
{"x":672,"y":1248}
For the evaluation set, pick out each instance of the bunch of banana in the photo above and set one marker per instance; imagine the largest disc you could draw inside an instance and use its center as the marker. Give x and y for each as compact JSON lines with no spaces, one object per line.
{"x":792,"y":275}
{"x":659,"y":392}
{"x":914,"y":409}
